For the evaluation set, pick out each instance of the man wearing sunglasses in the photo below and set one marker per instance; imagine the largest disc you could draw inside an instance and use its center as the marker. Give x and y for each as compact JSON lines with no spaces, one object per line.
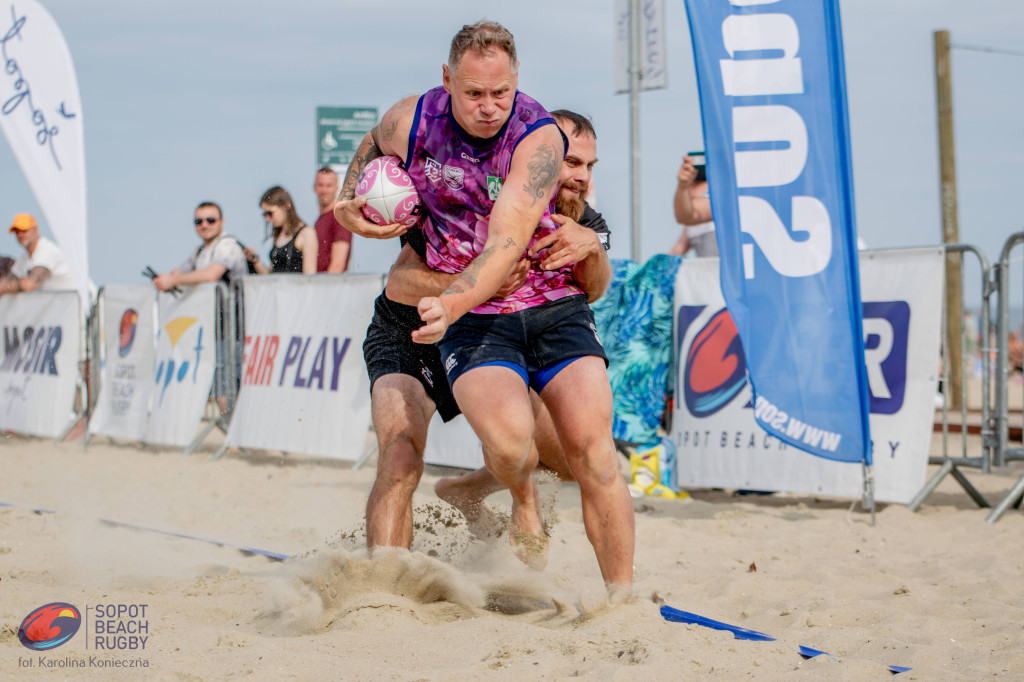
{"x":219,"y":258}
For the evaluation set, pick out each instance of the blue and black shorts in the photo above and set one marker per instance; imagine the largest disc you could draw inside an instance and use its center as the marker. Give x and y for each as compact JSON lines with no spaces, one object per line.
{"x":389,"y":349}
{"x":536,"y":342}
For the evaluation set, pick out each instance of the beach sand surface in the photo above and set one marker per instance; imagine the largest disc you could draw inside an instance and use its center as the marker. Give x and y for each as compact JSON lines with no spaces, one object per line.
{"x":939,"y":591}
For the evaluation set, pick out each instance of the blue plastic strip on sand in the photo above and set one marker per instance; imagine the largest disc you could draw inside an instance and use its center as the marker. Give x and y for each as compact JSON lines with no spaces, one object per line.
{"x":248,"y":550}
{"x":276,"y":556}
{"x":677,"y":616}
{"x":37,"y":511}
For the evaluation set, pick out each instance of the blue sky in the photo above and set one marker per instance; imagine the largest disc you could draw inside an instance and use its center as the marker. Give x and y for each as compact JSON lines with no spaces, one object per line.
{"x":186,"y":101}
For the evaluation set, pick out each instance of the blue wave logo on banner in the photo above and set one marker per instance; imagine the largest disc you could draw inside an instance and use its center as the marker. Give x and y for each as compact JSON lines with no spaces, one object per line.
{"x":773,"y":101}
{"x":715,"y":370}
{"x":129,"y":324}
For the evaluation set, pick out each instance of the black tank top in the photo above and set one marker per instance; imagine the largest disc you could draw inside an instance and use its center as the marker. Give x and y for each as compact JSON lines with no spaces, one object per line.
{"x":287,"y":258}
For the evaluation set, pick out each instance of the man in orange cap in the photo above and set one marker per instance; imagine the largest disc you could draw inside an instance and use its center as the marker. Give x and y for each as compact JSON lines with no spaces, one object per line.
{"x":42,"y":265}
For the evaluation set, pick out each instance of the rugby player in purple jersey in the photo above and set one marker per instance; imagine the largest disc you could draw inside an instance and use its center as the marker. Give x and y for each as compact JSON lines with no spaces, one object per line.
{"x":485,"y":160}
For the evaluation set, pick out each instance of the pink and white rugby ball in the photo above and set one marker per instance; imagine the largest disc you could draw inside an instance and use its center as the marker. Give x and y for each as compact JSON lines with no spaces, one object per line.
{"x":389,"y":192}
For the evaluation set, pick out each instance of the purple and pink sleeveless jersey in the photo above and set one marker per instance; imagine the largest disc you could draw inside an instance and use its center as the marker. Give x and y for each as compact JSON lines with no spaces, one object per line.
{"x":458,"y":180}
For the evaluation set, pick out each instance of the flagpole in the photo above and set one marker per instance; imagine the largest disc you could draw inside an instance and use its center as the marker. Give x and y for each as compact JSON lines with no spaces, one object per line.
{"x":950,"y":228}
{"x":635,"y":73}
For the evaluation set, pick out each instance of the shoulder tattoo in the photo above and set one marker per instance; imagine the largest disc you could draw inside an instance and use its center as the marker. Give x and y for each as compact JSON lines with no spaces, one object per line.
{"x":388,"y":130}
{"x":543,"y":169}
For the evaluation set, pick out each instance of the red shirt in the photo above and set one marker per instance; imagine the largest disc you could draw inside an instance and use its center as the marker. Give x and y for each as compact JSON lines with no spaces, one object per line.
{"x":328,"y":231}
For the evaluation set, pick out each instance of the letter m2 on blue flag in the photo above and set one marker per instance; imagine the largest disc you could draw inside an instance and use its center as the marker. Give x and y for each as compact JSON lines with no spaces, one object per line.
{"x":773,"y":101}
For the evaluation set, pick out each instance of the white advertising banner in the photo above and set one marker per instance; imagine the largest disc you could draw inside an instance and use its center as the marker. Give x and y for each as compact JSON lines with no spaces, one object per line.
{"x":185,"y":364}
{"x":304,"y":383}
{"x":717,"y":440}
{"x":652,"y":44}
{"x":453,"y":444}
{"x":39,"y":370}
{"x":41,"y":115}
{"x":129,"y":362}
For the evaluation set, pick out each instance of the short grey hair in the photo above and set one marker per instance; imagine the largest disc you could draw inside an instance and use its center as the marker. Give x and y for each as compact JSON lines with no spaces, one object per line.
{"x":482,"y":37}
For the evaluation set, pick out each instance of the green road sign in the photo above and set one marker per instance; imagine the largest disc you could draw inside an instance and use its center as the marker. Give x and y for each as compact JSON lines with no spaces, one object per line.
{"x":339,"y":131}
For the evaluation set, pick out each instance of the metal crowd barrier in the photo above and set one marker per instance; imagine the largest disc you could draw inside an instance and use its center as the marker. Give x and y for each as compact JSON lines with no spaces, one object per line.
{"x":1004,"y":453}
{"x":231,"y":311}
{"x":84,"y":399}
{"x":94,"y":353}
{"x":950,"y":464}
{"x":224,"y":391}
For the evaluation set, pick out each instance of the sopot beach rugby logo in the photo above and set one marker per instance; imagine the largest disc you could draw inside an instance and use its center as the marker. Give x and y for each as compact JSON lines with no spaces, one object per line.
{"x":49,"y":626}
{"x":716,"y":368}
{"x":129,"y":323}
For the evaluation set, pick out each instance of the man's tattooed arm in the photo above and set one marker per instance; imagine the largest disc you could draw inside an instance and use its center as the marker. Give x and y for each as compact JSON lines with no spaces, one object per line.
{"x":367,"y":152}
{"x":468,"y":280}
{"x":543,"y":167}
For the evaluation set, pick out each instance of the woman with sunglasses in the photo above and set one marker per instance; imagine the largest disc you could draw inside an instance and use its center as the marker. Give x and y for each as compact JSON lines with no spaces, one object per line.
{"x":295,"y":243}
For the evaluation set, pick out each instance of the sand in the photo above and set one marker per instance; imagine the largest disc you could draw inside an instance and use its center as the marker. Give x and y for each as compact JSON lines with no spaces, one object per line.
{"x":939,"y":591}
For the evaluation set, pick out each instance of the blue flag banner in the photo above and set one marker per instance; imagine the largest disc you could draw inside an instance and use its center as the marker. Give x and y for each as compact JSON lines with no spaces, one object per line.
{"x":773,"y":102}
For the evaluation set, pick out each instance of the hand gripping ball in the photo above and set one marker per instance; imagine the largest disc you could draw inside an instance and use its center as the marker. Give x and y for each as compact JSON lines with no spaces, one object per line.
{"x":389,"y":192}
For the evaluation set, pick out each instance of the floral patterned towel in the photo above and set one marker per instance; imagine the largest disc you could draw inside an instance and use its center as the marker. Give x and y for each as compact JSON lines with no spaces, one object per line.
{"x":634,"y":321}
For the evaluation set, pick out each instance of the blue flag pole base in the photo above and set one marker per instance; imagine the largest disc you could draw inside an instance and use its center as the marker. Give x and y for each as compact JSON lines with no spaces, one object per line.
{"x":869,"y":489}
{"x":676,"y":616}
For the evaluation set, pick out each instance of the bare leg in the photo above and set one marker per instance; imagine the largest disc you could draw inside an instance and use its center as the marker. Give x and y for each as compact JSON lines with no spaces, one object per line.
{"x":466,"y":493}
{"x":584,"y":429}
{"x":401,"y":416}
{"x":496,"y":402}
{"x":549,"y":448}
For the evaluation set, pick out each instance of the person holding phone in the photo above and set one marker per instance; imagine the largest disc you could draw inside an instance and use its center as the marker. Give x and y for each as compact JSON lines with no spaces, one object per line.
{"x":692,"y":206}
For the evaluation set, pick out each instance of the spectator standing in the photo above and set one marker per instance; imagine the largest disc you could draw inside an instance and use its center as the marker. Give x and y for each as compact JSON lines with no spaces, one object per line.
{"x":41,"y":267}
{"x":692,"y":206}
{"x":334,"y":242}
{"x":295,"y":245}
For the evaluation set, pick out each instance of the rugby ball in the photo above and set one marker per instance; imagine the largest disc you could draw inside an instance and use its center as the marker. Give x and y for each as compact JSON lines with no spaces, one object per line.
{"x":389,"y":193}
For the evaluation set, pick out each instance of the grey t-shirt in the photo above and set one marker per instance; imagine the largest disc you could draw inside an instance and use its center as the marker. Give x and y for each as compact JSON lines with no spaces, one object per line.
{"x":225,"y":251}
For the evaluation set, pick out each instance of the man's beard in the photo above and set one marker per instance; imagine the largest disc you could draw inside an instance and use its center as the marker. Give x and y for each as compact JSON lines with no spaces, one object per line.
{"x":571,"y":204}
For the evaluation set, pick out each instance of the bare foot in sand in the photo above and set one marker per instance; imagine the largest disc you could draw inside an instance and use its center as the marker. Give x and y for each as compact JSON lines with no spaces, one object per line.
{"x":619,"y":594}
{"x":466,"y":493}
{"x":529,"y":541}
{"x":530,"y":548}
